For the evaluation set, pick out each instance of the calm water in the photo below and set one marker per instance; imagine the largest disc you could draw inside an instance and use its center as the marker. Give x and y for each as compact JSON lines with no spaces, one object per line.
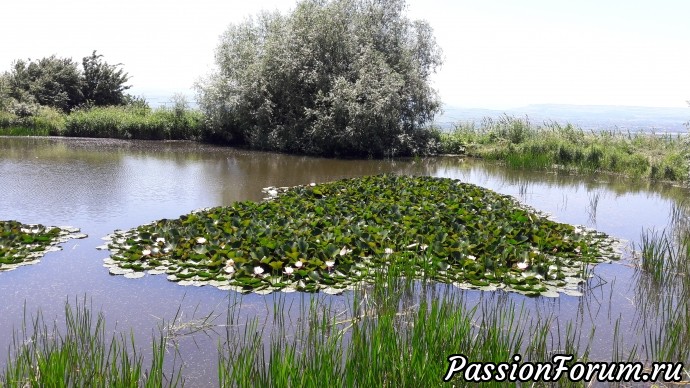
{"x":103,"y":185}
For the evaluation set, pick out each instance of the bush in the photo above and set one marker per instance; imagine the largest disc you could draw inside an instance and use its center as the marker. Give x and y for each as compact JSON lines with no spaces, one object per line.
{"x":339,"y":77}
{"x":60,"y":83}
{"x":50,"y":121}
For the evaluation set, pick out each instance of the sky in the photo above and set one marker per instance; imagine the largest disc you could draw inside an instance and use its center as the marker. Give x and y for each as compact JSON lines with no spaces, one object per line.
{"x":497,"y":53}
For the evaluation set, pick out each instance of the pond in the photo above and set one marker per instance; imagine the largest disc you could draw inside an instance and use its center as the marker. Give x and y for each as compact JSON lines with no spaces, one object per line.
{"x":103,"y":185}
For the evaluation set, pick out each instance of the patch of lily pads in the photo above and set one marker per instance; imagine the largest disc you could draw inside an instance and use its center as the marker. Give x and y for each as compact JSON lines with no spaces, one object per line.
{"x":333,"y":235}
{"x":25,"y":244}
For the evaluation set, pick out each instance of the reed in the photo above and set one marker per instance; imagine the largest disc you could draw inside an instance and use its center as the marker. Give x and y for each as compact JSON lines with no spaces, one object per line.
{"x":393,"y":333}
{"x":45,"y":121}
{"x":131,"y":122}
{"x":81,"y":355}
{"x":520,"y":143}
{"x":121,"y":122}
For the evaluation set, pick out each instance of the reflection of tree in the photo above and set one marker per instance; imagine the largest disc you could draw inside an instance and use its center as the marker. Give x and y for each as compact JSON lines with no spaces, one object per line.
{"x":103,"y":174}
{"x":246,"y":173}
{"x":67,"y":177}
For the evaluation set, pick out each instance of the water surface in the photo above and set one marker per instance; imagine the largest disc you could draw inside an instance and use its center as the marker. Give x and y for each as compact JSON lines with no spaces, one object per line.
{"x":103,"y":185}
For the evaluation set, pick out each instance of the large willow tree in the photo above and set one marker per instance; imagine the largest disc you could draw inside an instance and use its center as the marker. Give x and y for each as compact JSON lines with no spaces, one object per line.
{"x":339,"y":77}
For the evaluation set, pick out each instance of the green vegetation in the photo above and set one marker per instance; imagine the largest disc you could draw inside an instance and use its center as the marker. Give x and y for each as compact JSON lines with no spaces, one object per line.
{"x":521,"y":144}
{"x":335,"y":78}
{"x":82,"y":356}
{"x":120,"y":122}
{"x":103,"y":84}
{"x":135,"y":123}
{"x":662,"y":292}
{"x":334,"y":235}
{"x":395,"y":332}
{"x":59,"y":83}
{"x":22,"y":244}
{"x":53,"y":97}
{"x":35,"y":121}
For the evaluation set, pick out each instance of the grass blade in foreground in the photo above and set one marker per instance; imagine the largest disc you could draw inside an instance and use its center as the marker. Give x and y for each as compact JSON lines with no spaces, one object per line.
{"x":81,"y":356}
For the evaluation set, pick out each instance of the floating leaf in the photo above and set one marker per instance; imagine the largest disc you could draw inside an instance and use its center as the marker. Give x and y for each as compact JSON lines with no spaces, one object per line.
{"x":438,"y":228}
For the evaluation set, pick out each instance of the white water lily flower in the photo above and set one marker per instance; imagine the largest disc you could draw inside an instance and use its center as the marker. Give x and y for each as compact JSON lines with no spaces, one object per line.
{"x":160,"y":240}
{"x":289,"y":270}
{"x":522,"y":265}
{"x":312,"y":184}
{"x":344,"y":251}
{"x":146,"y":252}
{"x":298,"y":264}
{"x":200,"y":240}
{"x":330,"y":264}
{"x":471,"y":257}
{"x":155,"y":250}
{"x":258,"y":270}
{"x":231,"y":262}
{"x":230,"y":270}
{"x":488,"y":208}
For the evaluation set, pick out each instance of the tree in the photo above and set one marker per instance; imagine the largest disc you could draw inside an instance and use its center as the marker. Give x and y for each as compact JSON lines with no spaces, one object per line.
{"x":5,"y":100}
{"x":339,"y":77}
{"x":103,"y":84}
{"x":50,"y":81}
{"x":60,"y":83}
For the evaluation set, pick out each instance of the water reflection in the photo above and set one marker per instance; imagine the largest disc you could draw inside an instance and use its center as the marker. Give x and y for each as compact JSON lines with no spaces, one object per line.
{"x":102,"y":185}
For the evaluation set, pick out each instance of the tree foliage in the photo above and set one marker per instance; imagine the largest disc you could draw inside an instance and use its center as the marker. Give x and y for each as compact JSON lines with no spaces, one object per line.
{"x":104,"y":84}
{"x":339,"y":77}
{"x":60,"y":83}
{"x":49,"y":81}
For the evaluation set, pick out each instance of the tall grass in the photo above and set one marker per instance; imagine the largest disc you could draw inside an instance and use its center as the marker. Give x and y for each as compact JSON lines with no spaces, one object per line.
{"x":45,"y":121}
{"x":393,"y":333}
{"x":135,"y":123}
{"x":522,"y":144}
{"x":81,"y":355}
{"x":663,"y":290}
{"x":120,"y":122}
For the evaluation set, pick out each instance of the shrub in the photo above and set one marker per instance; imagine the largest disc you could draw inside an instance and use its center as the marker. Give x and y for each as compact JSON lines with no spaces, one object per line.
{"x":60,"y":83}
{"x":339,"y":77}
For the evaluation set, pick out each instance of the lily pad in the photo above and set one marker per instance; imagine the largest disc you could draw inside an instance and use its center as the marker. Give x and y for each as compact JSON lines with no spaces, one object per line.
{"x":24,"y":244}
{"x":330,"y":236}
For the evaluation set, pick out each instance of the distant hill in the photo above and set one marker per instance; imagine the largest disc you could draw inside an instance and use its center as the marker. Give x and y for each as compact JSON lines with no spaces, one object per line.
{"x":589,"y":117}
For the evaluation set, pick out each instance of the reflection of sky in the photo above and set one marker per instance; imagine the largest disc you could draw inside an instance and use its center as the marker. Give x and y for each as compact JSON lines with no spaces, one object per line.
{"x":100,"y":186}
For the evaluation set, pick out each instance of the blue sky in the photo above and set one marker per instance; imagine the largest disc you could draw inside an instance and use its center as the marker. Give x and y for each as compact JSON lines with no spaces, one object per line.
{"x":498,"y":54}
